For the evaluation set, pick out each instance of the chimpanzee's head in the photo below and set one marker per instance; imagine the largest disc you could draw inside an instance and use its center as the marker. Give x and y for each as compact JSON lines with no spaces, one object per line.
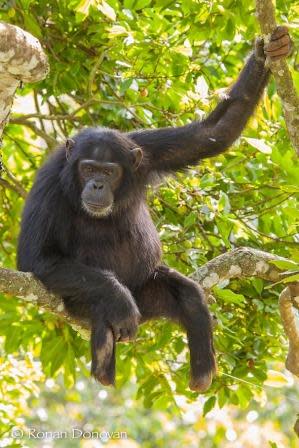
{"x":103,"y":163}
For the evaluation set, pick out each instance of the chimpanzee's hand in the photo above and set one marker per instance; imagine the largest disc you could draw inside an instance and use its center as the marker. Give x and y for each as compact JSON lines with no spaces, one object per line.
{"x":122,"y":315}
{"x":113,"y":320}
{"x":279,"y":46}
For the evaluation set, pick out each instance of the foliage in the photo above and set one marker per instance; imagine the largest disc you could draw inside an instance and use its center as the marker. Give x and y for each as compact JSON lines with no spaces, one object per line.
{"x":89,"y":408}
{"x":148,"y":63}
{"x":18,"y":380}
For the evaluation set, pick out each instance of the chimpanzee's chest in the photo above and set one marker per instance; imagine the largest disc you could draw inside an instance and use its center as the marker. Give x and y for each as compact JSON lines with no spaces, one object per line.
{"x":131,"y":250}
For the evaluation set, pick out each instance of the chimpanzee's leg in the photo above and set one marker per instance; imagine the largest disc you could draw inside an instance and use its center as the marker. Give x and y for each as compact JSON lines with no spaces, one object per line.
{"x":169,"y":294}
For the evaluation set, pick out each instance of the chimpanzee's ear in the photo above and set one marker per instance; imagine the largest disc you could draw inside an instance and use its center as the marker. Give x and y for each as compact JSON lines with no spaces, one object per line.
{"x":69,"y":144}
{"x":137,"y":155}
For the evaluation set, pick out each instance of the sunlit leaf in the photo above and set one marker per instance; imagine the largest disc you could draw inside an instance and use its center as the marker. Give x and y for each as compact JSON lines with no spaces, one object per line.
{"x":261,"y":145}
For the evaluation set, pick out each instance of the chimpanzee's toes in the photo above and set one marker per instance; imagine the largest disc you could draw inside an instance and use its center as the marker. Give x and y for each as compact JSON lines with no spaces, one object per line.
{"x":102,"y":376}
{"x":202,"y":383}
{"x":103,"y":355}
{"x":202,"y":373}
{"x":103,"y":370}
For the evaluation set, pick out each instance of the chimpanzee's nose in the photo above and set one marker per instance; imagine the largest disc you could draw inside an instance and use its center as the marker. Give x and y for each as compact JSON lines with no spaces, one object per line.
{"x":97,"y":185}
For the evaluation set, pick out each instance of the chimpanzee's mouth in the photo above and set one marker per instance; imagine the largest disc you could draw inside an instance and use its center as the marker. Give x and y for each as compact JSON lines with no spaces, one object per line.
{"x":97,"y":210}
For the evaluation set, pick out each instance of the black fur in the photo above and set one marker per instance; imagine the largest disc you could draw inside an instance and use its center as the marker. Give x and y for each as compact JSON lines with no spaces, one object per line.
{"x":109,"y":269}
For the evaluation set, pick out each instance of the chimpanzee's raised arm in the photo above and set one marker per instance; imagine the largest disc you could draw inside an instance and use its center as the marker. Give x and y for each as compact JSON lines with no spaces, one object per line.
{"x":170,"y":149}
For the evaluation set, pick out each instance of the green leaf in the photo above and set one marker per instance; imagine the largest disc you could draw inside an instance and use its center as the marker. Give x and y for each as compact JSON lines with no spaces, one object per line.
{"x":273,"y":445}
{"x":84,"y":5}
{"x":190,"y":219}
{"x":209,"y":405}
{"x":117,"y":30}
{"x":229,"y":296}
{"x":290,"y":188}
{"x":140,"y":4}
{"x":107,"y":10}
{"x":291,"y":278}
{"x":223,"y":396}
{"x":285,"y":265}
{"x":259,"y":144}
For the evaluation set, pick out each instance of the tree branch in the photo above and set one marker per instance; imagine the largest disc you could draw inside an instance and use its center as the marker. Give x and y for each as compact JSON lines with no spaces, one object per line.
{"x":287,"y":312}
{"x":238,"y":263}
{"x":21,"y":60}
{"x":285,"y":86}
{"x":26,"y":287}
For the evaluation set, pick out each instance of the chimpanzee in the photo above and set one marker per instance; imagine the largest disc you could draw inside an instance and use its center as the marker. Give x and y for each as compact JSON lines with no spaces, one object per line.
{"x":87,"y":234}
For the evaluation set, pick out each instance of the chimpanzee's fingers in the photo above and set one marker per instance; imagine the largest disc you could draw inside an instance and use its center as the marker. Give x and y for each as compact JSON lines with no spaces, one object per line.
{"x":276,"y":44}
{"x":103,"y":354}
{"x":279,"y":32}
{"x":116,"y":332}
{"x":278,"y":54}
{"x":131,"y":332}
{"x":124,"y":331}
{"x":124,"y":335}
{"x":280,"y":45}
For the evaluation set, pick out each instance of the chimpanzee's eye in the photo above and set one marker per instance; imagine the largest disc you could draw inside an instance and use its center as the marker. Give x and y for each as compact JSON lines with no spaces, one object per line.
{"x":107,"y":172}
{"x":88,"y":169}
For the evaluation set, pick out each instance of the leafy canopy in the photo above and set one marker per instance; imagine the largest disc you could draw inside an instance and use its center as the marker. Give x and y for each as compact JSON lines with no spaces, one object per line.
{"x":144,"y":63}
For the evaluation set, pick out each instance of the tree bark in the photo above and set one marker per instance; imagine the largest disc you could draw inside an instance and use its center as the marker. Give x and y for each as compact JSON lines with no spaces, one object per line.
{"x":289,"y":321}
{"x":285,"y":86}
{"x":26,"y":287}
{"x":21,"y":60}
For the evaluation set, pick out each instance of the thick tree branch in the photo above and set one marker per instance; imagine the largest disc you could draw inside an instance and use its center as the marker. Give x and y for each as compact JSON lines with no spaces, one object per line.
{"x":289,"y":320}
{"x":26,"y":287}
{"x":246,"y":262}
{"x":285,"y":86}
{"x":239,"y":263}
{"x":21,"y":60}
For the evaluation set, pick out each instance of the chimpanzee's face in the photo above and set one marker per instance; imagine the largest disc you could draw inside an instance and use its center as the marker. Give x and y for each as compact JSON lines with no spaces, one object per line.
{"x":99,"y":181}
{"x":103,"y":166}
